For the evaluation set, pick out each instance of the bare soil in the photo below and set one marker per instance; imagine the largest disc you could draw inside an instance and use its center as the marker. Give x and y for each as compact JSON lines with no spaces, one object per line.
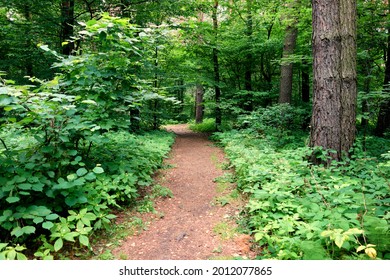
{"x":191,"y":225}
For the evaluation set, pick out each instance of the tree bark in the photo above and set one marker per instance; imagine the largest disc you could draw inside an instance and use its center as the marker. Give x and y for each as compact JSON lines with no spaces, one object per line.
{"x":290,"y":40}
{"x":68,"y":21}
{"x":334,"y":49}
{"x":305,"y":89}
{"x":218,"y":113}
{"x":199,"y":103}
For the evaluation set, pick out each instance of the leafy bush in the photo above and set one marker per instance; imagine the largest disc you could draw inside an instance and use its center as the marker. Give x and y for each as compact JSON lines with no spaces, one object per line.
{"x":208,"y":125}
{"x":301,"y":211}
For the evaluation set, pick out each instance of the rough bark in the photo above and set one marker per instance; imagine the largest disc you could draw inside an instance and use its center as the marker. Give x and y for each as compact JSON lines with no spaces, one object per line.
{"x":199,"y":103}
{"x":290,"y":40}
{"x":286,"y":76}
{"x":334,"y":83}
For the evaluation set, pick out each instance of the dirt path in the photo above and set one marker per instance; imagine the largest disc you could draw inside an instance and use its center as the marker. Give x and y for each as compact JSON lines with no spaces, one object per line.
{"x":191,"y":225}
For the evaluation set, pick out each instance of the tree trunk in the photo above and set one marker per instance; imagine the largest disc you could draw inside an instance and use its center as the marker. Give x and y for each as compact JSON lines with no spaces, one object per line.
{"x":218,"y":113}
{"x":249,"y":33}
{"x":334,"y":50}
{"x":290,"y":40}
{"x":383,"y":122}
{"x":305,"y":83}
{"x":68,"y":21}
{"x":199,"y":103}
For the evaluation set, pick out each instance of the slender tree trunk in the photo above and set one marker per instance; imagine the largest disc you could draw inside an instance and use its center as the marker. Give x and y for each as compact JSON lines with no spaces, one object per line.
{"x":290,"y":40}
{"x":334,"y":50}
{"x":305,"y":83}
{"x":383,"y":122}
{"x":199,"y":92}
{"x":68,"y":21}
{"x":218,"y":113}
{"x":249,"y":58}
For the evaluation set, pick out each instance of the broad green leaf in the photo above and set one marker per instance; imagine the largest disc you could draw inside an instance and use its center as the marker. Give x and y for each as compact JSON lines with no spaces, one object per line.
{"x":3,"y":245}
{"x":18,"y":231}
{"x":52,"y":217}
{"x":38,"y":220}
{"x":12,"y":199}
{"x":58,"y":244}
{"x":81,"y":172}
{"x":70,"y":236}
{"x":339,"y":240}
{"x":28,"y":229}
{"x":11,"y":255}
{"x":98,"y":170}
{"x":21,"y":257}
{"x":84,"y":240}
{"x":47,"y":225}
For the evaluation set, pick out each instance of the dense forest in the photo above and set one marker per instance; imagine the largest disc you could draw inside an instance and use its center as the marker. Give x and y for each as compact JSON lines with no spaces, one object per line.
{"x":297,"y":93}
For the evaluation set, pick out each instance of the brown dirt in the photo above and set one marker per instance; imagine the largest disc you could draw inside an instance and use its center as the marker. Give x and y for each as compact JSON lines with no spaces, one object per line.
{"x":191,"y":225}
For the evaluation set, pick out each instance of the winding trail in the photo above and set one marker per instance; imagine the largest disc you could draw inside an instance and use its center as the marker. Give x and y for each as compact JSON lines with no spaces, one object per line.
{"x":185,"y":228}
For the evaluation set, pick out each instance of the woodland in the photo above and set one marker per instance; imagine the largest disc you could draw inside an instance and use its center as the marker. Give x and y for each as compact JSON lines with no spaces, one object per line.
{"x":296,"y":92}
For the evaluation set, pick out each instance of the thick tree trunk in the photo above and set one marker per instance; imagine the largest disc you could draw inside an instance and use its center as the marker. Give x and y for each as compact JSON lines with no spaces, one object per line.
{"x":199,"y":92}
{"x":334,"y":50}
{"x":218,"y":113}
{"x":68,"y":21}
{"x":290,"y":40}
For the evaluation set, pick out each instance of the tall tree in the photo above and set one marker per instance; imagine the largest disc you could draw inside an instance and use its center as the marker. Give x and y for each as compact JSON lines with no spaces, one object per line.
{"x":290,"y":39}
{"x":334,"y":50}
{"x":67,"y":23}
{"x":218,"y":113}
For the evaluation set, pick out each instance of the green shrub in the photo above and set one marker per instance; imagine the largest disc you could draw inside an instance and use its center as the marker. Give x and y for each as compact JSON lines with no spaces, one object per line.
{"x":208,"y":125}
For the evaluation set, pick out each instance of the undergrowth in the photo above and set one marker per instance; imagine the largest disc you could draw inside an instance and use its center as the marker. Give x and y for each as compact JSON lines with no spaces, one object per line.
{"x":46,"y":216}
{"x":208,"y":125}
{"x":298,"y":210}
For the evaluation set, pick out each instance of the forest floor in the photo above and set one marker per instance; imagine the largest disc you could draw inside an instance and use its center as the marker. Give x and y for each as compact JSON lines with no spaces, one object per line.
{"x":199,"y":221}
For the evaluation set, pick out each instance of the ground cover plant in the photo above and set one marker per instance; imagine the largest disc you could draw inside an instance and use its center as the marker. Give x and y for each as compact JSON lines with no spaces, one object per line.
{"x":298,"y":210}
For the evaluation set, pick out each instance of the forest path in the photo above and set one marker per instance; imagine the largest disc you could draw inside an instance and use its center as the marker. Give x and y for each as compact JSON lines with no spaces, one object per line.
{"x":191,"y":225}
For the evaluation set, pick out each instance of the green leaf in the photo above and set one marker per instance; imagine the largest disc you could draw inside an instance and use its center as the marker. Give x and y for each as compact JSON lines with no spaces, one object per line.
{"x":18,"y":231}
{"x":21,"y":257}
{"x":2,"y":246}
{"x":84,"y":240}
{"x":38,"y":220}
{"x":25,"y":186}
{"x":28,"y":229}
{"x":47,"y":225}
{"x":52,"y":217}
{"x":70,"y":236}
{"x":90,"y":176}
{"x":81,"y":172}
{"x":339,"y":240}
{"x":12,"y":199}
{"x":98,"y":170}
{"x":11,"y":255}
{"x":58,"y":244}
